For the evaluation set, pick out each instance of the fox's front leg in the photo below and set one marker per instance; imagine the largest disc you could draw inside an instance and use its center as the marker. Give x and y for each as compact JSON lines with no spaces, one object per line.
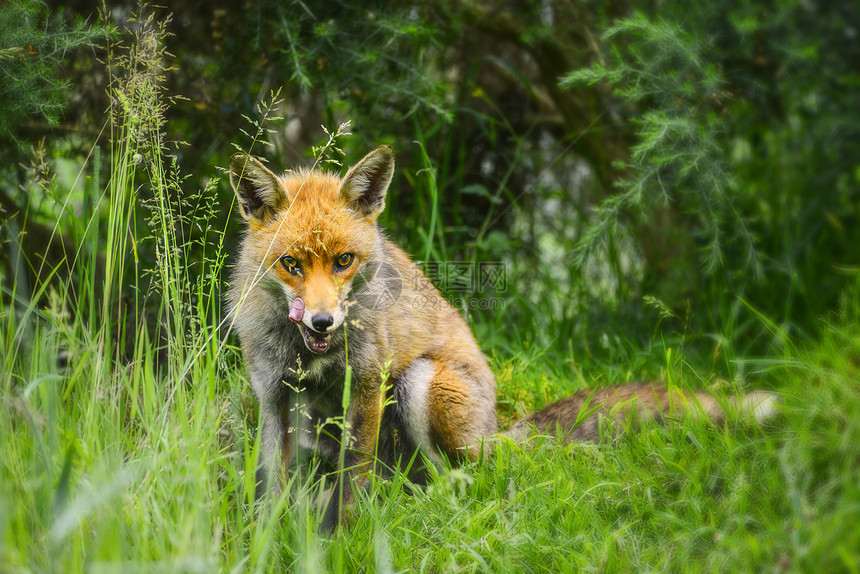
{"x":363,"y":417}
{"x":277,"y":448}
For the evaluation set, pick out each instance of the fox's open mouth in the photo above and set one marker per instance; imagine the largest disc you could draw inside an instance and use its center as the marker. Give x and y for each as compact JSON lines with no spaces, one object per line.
{"x":316,"y":341}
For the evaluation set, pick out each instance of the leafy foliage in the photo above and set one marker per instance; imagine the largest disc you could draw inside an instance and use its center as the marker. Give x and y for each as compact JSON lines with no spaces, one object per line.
{"x":679,"y":154}
{"x":33,"y":46}
{"x":728,"y":122}
{"x":663,"y":72}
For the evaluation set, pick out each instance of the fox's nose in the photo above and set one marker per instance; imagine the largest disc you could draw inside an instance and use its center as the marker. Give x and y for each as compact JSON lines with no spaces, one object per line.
{"x":322,"y":321}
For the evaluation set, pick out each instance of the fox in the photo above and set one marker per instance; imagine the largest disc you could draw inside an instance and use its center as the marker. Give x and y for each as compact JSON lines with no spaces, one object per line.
{"x":321,"y":298}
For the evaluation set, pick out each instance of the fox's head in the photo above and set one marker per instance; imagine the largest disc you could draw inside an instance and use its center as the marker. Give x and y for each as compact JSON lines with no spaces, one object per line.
{"x":311,"y":234}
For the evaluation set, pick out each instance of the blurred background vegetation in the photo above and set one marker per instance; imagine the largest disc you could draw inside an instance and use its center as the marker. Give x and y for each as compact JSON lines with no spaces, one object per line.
{"x":647,"y":171}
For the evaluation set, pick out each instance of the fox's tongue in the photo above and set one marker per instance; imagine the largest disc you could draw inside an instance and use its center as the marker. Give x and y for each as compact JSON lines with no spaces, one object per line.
{"x":297,"y":310}
{"x":317,"y":342}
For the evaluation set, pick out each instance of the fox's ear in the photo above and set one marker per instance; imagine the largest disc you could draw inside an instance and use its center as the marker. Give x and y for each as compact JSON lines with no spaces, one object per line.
{"x":364,"y":186}
{"x":258,"y":190}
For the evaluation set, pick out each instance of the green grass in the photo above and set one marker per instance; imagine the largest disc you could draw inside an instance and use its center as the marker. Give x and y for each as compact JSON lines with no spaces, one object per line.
{"x":125,"y":470}
{"x":139,"y":455}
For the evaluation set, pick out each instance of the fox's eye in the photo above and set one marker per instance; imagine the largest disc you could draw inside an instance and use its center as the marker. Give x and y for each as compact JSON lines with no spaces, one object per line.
{"x":291,"y":265}
{"x":344,"y":261}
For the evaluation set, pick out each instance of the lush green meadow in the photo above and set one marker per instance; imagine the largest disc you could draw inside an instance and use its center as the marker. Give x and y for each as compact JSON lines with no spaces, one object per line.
{"x":129,"y":439}
{"x":117,"y":467}
{"x":122,"y":453}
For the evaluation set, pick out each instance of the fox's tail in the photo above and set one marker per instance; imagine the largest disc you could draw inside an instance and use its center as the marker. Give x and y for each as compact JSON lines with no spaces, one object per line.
{"x":580,"y":417}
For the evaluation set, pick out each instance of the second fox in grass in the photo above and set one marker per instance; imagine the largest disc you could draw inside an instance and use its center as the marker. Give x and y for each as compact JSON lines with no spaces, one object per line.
{"x":318,"y":287}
